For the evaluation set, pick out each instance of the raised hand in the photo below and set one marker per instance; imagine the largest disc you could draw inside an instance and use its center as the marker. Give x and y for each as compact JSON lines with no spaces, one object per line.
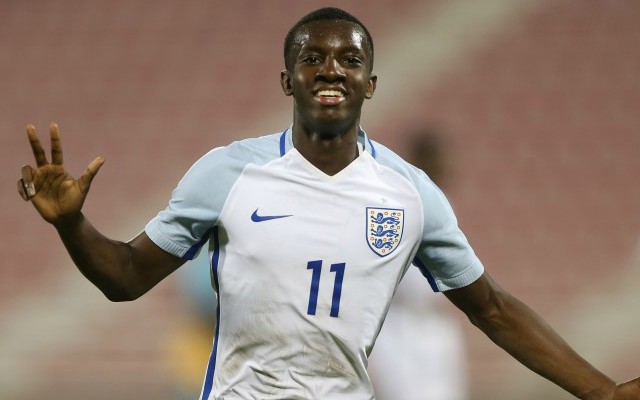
{"x":54,"y":193}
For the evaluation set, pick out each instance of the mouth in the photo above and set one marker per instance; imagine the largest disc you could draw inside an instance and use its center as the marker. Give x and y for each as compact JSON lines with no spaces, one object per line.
{"x":329,"y":97}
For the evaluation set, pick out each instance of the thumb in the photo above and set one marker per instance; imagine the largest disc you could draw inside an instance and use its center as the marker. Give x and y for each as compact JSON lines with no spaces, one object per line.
{"x":87,"y":177}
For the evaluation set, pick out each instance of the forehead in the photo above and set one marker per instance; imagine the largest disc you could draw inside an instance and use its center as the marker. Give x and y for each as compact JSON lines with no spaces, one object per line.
{"x":333,"y":34}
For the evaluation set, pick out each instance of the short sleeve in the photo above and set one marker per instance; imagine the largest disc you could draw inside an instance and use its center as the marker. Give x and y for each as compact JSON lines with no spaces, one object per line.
{"x":195,"y":205}
{"x":444,"y":255}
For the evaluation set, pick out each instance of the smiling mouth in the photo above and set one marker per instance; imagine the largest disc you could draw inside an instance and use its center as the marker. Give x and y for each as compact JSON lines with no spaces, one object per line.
{"x":329,"y":97}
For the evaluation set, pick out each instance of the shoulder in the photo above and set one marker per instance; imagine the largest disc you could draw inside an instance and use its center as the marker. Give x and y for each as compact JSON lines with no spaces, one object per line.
{"x":256,"y":150}
{"x":387,"y":158}
{"x":224,"y":164}
{"x":233,"y":157}
{"x":436,"y":208}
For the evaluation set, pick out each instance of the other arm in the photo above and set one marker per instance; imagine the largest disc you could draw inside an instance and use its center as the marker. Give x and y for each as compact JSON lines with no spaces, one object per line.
{"x":516,"y":328}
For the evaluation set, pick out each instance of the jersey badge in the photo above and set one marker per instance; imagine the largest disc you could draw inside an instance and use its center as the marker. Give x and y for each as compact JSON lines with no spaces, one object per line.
{"x":384,"y":229}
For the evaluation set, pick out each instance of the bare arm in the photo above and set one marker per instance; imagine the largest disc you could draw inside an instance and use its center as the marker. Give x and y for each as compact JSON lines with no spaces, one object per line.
{"x":122,"y":271}
{"x":516,"y":328}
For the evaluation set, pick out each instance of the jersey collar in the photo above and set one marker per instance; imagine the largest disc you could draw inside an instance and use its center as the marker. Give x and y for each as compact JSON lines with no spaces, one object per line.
{"x":286,"y":141}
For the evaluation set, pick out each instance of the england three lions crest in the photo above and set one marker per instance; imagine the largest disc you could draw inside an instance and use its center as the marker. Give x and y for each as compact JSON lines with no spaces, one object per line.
{"x":384,"y":229}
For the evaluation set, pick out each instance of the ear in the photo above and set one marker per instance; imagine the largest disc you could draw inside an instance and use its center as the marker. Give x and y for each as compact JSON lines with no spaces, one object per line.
{"x":285,"y":82}
{"x":371,"y":86}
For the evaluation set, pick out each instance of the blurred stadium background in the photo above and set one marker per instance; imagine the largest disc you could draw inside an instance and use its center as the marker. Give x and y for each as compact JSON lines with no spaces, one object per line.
{"x":539,"y":99}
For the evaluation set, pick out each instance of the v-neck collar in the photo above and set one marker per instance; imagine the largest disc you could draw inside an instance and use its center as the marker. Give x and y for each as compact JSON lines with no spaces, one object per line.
{"x":286,"y":142}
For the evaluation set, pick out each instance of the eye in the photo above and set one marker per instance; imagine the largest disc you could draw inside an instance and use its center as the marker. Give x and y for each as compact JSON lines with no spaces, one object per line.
{"x":311,"y":60}
{"x":352,"y":60}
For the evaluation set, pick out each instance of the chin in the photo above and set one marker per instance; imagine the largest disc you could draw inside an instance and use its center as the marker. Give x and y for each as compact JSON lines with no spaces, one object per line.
{"x":333,"y":117}
{"x":329,"y":122}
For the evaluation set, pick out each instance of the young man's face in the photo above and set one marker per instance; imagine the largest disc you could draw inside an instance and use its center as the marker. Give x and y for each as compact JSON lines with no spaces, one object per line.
{"x":330,"y":77}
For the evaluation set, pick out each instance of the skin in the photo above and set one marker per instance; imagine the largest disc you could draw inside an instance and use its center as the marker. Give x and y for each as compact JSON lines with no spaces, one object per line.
{"x":122,"y":271}
{"x":330,"y":54}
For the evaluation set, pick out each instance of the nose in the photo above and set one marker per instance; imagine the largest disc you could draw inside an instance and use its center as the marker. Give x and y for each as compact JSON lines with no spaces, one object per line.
{"x":330,"y":70}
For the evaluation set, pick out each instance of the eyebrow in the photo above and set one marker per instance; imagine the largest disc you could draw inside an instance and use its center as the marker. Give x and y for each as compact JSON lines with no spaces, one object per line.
{"x":348,"y":49}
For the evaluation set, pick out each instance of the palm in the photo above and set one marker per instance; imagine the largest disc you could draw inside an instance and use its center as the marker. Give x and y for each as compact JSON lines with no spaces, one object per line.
{"x":57,"y":194}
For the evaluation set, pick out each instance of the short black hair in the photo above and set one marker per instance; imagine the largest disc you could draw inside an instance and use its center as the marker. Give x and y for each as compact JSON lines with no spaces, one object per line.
{"x":326,"y":13}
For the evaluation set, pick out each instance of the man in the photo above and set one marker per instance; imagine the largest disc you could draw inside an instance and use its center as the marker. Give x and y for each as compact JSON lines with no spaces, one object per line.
{"x":310,"y":231}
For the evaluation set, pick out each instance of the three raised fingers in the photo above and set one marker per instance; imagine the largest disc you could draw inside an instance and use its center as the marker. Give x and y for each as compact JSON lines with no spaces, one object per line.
{"x":26,"y":187}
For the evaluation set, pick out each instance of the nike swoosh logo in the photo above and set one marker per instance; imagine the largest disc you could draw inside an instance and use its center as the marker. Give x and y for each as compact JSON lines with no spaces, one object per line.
{"x":259,"y":218}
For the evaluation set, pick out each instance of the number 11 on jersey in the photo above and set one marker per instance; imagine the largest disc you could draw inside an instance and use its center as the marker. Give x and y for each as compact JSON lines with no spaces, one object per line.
{"x":316,"y":268}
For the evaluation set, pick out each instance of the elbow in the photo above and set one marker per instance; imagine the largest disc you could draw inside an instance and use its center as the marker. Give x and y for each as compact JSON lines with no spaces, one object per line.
{"x":118,"y":298}
{"x":119,"y":288}
{"x":119,"y":295}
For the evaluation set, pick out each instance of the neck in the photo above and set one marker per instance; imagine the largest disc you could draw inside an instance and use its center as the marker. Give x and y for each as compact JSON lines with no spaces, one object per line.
{"x":329,"y":151}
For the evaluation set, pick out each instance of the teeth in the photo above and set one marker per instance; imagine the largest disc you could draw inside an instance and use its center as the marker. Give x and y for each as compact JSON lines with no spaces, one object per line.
{"x":330,"y":93}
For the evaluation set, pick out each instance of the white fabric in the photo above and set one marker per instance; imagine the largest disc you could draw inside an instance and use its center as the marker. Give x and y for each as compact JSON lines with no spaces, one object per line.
{"x":271,"y":342}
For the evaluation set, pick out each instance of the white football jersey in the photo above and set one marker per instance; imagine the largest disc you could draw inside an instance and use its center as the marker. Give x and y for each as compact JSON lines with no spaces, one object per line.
{"x":305,"y":264}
